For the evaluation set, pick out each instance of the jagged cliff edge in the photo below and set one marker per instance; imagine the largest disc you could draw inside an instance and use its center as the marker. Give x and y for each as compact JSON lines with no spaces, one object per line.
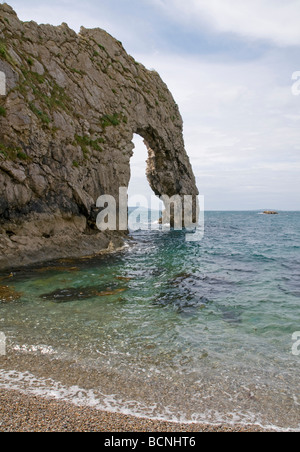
{"x":71,"y":107}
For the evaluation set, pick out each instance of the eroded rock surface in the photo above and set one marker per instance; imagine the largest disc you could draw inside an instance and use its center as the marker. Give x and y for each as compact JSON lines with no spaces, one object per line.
{"x":72,"y":104}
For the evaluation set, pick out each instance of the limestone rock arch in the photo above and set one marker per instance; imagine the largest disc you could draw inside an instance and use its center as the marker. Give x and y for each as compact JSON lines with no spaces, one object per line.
{"x":72,"y":104}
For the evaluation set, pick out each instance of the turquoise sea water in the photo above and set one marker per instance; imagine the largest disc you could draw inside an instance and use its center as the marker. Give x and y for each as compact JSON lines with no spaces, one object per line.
{"x":198,"y":331}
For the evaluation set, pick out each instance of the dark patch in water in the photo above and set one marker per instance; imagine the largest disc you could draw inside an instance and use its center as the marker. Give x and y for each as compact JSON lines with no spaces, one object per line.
{"x":290,"y":290}
{"x":140,"y":273}
{"x":291,"y":283}
{"x":157,"y":271}
{"x":232,"y":317}
{"x":188,"y":291}
{"x":80,"y":293}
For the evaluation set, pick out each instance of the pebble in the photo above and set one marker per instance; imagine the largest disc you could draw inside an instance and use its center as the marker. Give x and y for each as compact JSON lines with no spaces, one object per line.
{"x":26,"y":413}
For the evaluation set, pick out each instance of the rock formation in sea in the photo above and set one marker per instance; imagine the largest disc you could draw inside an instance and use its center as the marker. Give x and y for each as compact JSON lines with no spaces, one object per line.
{"x":71,"y":107}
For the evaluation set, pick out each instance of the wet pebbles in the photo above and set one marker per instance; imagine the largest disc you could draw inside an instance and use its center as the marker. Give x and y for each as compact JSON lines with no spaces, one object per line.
{"x":22,"y":413}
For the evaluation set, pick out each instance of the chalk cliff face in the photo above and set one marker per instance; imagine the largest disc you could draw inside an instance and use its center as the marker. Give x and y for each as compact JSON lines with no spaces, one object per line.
{"x":72,"y":104}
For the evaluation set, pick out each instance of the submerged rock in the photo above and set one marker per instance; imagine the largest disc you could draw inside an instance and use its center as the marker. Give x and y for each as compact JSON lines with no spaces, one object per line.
{"x":57,"y":269}
{"x":80,"y":293}
{"x":8,"y":294}
{"x":232,"y":317}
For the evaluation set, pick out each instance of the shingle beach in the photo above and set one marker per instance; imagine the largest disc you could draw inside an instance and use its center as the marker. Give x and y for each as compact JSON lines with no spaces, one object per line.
{"x":23,"y":413}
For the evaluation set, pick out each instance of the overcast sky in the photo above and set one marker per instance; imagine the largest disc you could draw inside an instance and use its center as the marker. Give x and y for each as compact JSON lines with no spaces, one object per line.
{"x":229,"y":65}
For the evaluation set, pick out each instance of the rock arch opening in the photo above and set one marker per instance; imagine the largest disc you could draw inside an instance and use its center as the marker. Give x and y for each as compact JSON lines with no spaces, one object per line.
{"x":158,"y":179}
{"x":139,"y":186}
{"x":144,"y":207}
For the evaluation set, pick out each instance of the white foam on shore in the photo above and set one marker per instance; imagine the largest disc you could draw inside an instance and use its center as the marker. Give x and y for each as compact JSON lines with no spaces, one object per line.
{"x":29,"y":349}
{"x":28,"y":384}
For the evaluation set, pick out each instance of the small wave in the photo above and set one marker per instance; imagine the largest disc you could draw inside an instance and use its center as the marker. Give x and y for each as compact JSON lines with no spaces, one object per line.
{"x":263,"y":257}
{"x":29,"y":384}
{"x":28,"y":349}
{"x":289,"y":291}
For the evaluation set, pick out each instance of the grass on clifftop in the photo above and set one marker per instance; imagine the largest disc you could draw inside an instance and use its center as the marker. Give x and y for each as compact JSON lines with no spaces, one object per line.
{"x":113,"y":120}
{"x":39,"y":85}
{"x":86,"y":143}
{"x":12,"y":153}
{"x":40,"y":114}
{"x":4,"y":54}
